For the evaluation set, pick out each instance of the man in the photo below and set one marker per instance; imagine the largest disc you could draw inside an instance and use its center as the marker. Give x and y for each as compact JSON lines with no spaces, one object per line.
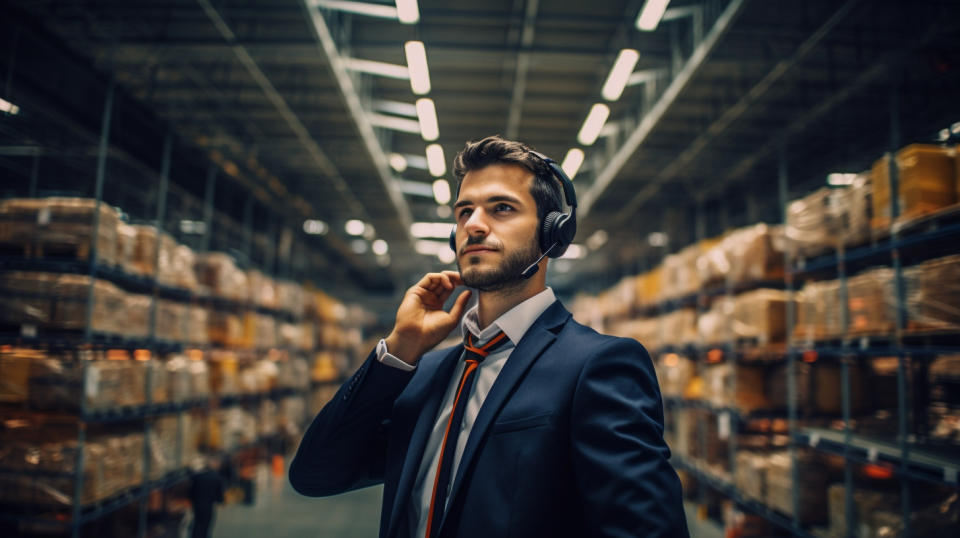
{"x":536,"y":425}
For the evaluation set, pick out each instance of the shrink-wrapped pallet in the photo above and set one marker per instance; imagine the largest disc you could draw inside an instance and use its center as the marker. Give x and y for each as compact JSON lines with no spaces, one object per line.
{"x":749,"y":254}
{"x":679,"y":327}
{"x":133,"y":318}
{"x":811,"y":228}
{"x":224,"y":373}
{"x":291,"y":297}
{"x":852,"y":210}
{"x":126,"y":246}
{"x":649,"y":288}
{"x":225,"y":329}
{"x":197,"y":325}
{"x":59,"y":301}
{"x":813,"y":478}
{"x":818,"y":311}
{"x":680,"y":274}
{"x":218,"y":273}
{"x":171,"y":320}
{"x":163,"y":446}
{"x":740,"y":386}
{"x":181,"y":272}
{"x":58,"y":227}
{"x":146,"y":258}
{"x":926,"y":183}
{"x":263,"y":290}
{"x":750,"y":475}
{"x":819,"y":388}
{"x":944,"y":381}
{"x":715,"y":325}
{"x":872,"y":302}
{"x":760,"y":316}
{"x":644,"y":330}
{"x":933,"y":294}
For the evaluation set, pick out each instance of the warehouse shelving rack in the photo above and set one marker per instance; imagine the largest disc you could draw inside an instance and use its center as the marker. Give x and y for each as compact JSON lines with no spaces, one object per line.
{"x":81,"y":514}
{"x":905,"y":243}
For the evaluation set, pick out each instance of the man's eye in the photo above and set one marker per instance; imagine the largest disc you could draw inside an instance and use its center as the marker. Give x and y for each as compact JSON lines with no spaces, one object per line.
{"x":465,"y":213}
{"x":503,"y":207}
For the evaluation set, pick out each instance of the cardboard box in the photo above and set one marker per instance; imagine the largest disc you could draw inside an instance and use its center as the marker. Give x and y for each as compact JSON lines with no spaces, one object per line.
{"x":927,"y":182}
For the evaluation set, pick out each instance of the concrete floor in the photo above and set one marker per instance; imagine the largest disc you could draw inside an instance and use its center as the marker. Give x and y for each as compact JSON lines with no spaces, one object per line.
{"x":280,"y":512}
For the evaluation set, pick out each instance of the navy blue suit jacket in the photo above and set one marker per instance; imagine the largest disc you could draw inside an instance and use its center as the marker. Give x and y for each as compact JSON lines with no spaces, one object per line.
{"x":569,"y":441}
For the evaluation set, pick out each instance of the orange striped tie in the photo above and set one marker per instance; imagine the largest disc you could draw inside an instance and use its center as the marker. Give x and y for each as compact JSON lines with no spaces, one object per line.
{"x":441,"y":483}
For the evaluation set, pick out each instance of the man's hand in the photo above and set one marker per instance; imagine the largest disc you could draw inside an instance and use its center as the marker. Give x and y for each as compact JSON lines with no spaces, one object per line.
{"x":421,"y":321}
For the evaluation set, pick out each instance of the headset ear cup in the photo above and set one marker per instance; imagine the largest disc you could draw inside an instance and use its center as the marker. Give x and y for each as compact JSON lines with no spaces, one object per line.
{"x":548,"y":230}
{"x":562,"y":234}
{"x":453,"y":239}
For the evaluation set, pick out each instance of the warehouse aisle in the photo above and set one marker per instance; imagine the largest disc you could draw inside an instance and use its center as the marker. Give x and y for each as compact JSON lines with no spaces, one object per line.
{"x":281,"y":512}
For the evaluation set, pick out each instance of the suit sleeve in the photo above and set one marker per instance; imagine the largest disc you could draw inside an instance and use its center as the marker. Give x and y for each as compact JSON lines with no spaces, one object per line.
{"x":345,"y":446}
{"x":620,"y":458}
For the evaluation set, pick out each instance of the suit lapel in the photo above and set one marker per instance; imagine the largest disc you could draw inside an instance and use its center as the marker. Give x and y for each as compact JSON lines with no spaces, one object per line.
{"x":537,"y":338}
{"x":430,"y":392}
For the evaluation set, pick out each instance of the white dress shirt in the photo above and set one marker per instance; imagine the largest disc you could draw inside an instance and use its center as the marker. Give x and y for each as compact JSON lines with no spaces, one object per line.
{"x":514,"y":323}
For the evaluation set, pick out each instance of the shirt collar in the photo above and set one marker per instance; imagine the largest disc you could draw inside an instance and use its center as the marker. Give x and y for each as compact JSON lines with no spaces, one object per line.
{"x":514,"y":322}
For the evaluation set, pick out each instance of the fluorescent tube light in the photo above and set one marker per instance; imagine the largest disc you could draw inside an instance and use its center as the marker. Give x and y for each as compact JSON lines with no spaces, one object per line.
{"x":435,"y":160}
{"x":380,"y":247}
{"x":408,"y":12}
{"x":441,"y":191}
{"x":315,"y":227}
{"x":8,"y":107}
{"x":355,"y":227}
{"x":597,"y":239}
{"x":591,"y":126}
{"x":427,"y":115}
{"x":619,"y":74}
{"x":571,"y":163}
{"x":417,"y":64}
{"x":360,"y":8}
{"x":398,"y":163}
{"x":393,"y":123}
{"x":372,"y":67}
{"x":431,"y":230}
{"x":650,"y":14}
{"x":430,"y":248}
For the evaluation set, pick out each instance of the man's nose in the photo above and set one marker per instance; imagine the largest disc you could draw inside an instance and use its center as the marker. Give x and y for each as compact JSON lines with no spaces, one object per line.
{"x":476,"y":224}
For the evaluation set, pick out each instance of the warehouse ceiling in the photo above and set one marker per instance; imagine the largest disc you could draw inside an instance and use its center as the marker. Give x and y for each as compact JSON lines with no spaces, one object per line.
{"x":313,"y":98}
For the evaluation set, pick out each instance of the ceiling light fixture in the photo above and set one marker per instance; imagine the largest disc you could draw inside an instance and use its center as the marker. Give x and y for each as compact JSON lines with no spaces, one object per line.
{"x":8,"y":107}
{"x":430,"y":248}
{"x":650,"y":14}
{"x":315,"y":227}
{"x":427,"y":115}
{"x":593,"y":124}
{"x":373,"y":67}
{"x":417,"y":64}
{"x":441,"y":191}
{"x":571,"y":163}
{"x":408,"y":12}
{"x":435,"y":161}
{"x":380,"y":247}
{"x":619,"y":74}
{"x":398,"y":163}
{"x":360,"y":8}
{"x":431,"y":230}
{"x":355,"y":227}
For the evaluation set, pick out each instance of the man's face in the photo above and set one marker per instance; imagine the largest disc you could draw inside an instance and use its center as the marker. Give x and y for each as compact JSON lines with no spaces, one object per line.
{"x":496,"y":226}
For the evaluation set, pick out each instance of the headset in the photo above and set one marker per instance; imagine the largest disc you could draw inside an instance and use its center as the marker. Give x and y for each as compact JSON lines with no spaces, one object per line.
{"x":557,"y":229}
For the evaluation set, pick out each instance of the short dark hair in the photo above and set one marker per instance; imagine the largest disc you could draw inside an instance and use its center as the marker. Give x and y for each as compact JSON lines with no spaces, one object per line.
{"x":545,"y":189}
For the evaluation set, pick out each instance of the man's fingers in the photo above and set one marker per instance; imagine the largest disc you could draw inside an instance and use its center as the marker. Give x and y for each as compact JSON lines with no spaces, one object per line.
{"x":454,"y":278}
{"x":460,"y":305}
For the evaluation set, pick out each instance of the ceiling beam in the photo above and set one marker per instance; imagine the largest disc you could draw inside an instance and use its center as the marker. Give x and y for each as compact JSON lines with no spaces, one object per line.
{"x":328,"y":48}
{"x":659,"y":109}
{"x":733,"y":113}
{"x":522,"y":67}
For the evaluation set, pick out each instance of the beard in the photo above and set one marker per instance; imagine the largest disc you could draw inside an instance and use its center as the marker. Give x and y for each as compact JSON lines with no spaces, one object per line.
{"x":506,"y":276}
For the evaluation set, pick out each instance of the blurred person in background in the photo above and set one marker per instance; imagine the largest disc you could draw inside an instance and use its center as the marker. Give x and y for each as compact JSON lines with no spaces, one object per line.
{"x":206,"y":490}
